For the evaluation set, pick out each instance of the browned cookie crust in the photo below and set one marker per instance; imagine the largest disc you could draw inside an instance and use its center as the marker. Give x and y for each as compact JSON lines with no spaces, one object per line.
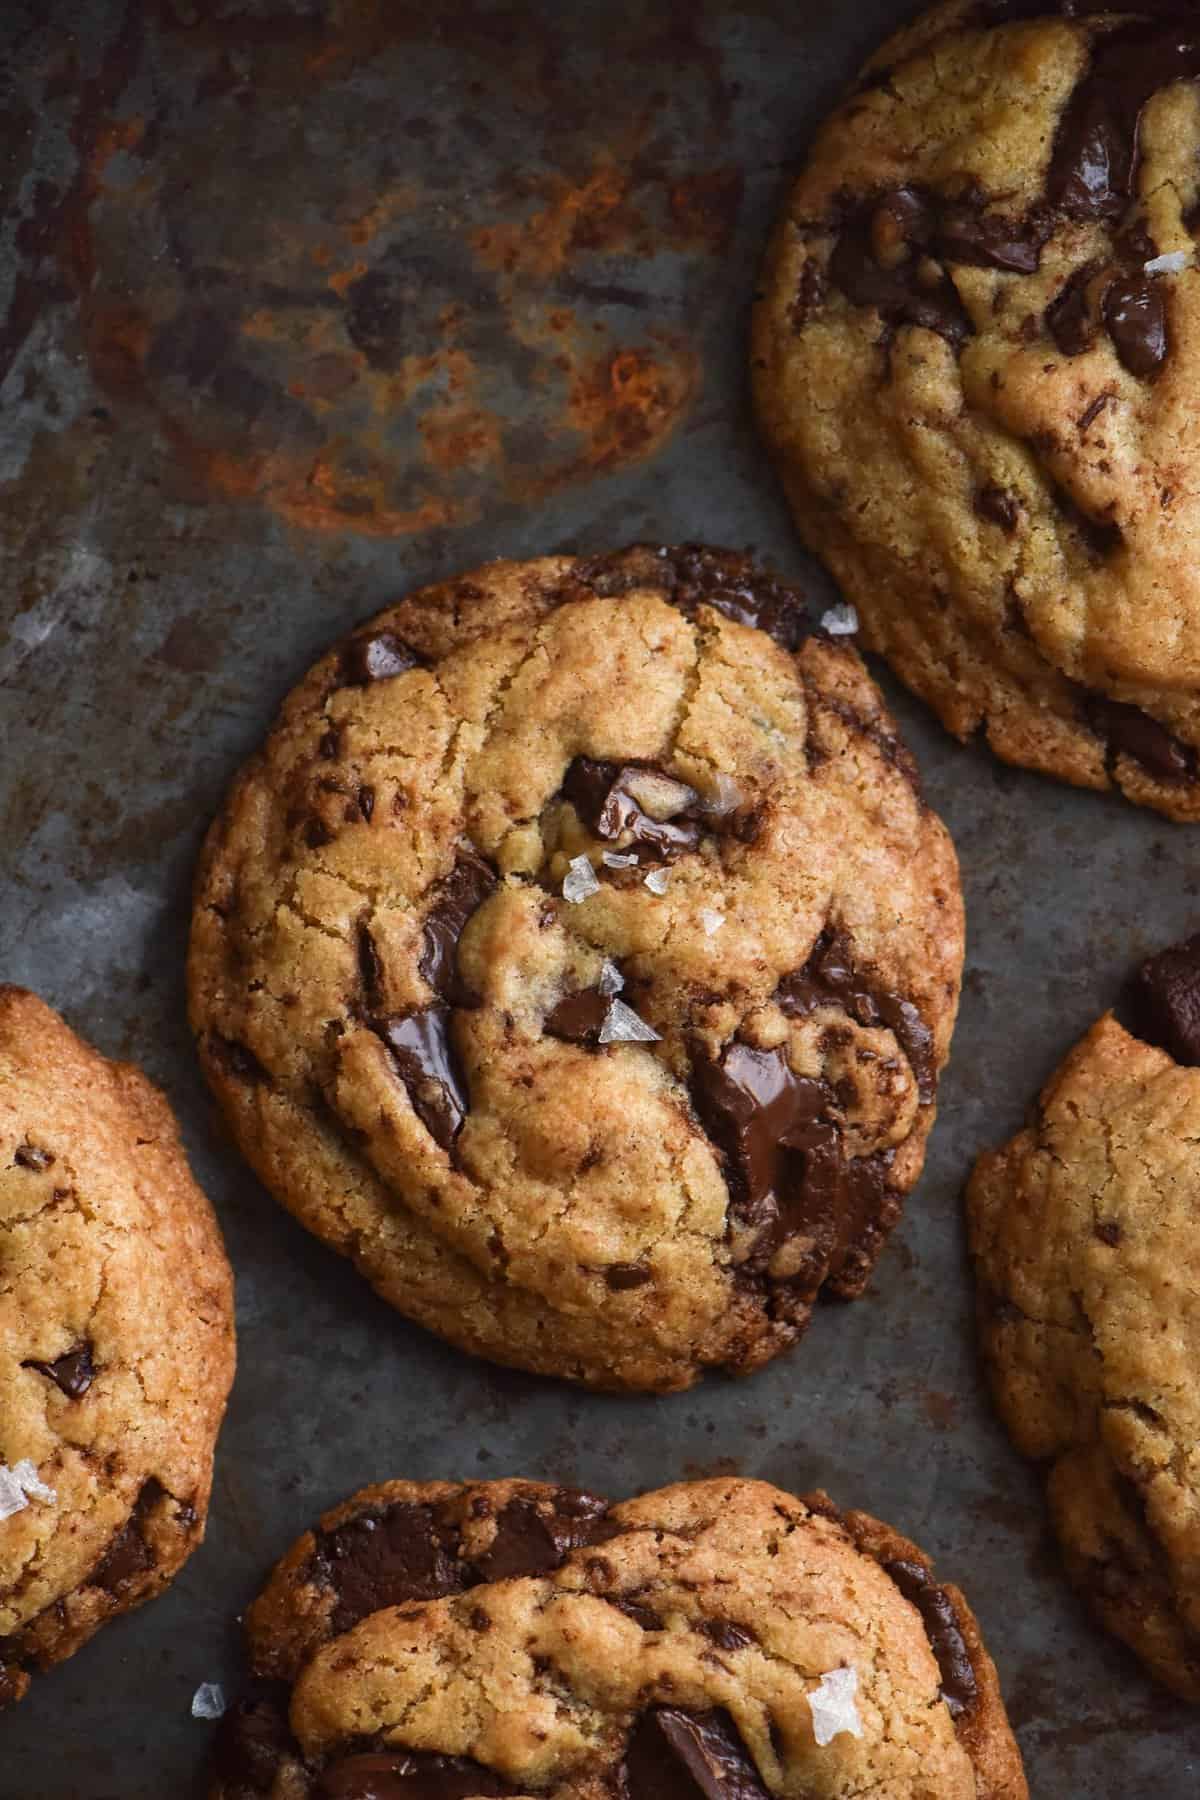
{"x":579,"y":957}
{"x":504,"y":1638}
{"x":116,"y":1341}
{"x":1083,"y":1231}
{"x":973,"y":358}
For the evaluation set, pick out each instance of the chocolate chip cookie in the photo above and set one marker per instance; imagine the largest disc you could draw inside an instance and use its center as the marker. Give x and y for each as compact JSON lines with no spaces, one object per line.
{"x":1083,"y":1231}
{"x":973,"y":360}
{"x":116,"y":1342}
{"x":718,"y":1638}
{"x":579,"y":957}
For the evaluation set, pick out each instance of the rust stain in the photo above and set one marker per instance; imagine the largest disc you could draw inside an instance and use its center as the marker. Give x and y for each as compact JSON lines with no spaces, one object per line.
{"x":345,"y":278}
{"x":705,"y":207}
{"x":626,"y":404}
{"x":942,"y":1410}
{"x":467,"y":439}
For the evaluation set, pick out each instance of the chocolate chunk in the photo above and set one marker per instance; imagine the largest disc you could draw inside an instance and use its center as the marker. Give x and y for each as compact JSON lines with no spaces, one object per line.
{"x":386,"y":1559}
{"x":960,"y":1690}
{"x":579,"y":1016}
{"x":643,"y":1616}
{"x":129,"y":1555}
{"x":829,"y":978}
{"x":366,"y":801}
{"x":1135,"y":313}
{"x":376,"y":657}
{"x":238,"y":1059}
{"x":599,"y":792}
{"x":695,"y":575}
{"x":966,"y":234}
{"x":457,"y":899}
{"x":407,"y":1775}
{"x":30,"y":1156}
{"x":1069,"y":315}
{"x":74,"y":1373}
{"x":727,"y":1636}
{"x":622,"y":1277}
{"x":370,"y":967}
{"x":998,"y":505}
{"x":675,"y":1755}
{"x":1097,"y":148}
{"x":529,"y":1541}
{"x":252,"y":1740}
{"x":908,"y":291}
{"x":1163,"y":1002}
{"x":810,"y":295}
{"x":428,"y":1065}
{"x":1132,"y":732}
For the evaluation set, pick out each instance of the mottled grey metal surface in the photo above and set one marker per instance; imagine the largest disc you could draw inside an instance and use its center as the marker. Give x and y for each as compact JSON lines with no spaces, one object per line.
{"x":303,"y":303}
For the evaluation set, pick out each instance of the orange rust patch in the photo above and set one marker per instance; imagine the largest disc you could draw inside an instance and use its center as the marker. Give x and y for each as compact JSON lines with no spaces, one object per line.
{"x":705,"y":207}
{"x":586,"y":216}
{"x":344,"y":278}
{"x":626,"y":405}
{"x":469,"y":439}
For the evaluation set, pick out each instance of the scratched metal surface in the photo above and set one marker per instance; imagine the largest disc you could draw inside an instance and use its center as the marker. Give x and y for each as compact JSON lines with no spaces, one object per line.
{"x":303,"y":304}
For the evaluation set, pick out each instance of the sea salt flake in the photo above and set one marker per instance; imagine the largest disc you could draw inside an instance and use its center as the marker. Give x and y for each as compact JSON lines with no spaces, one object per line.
{"x":27,"y":1475}
{"x":1174,"y":263}
{"x":619,"y":859}
{"x":657,"y":881}
{"x":208,"y":1701}
{"x":833,"y":1706}
{"x":724,"y":796}
{"x":12,"y":1494}
{"x":840,"y":621}
{"x":579,"y":880}
{"x":622,"y":1026}
{"x":611,"y":980}
{"x":711,"y":920}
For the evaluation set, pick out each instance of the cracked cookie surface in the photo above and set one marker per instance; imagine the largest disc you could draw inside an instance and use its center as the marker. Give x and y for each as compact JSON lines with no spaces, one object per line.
{"x":1083,"y":1234}
{"x":974,"y":357}
{"x":116,"y":1342}
{"x":579,"y":957}
{"x":509,"y":1638}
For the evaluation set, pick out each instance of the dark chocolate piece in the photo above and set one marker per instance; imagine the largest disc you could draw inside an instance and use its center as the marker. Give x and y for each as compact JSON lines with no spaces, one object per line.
{"x":129,"y":1555}
{"x":1069,"y":315}
{"x":238,"y":1059}
{"x":676,"y":1755}
{"x":696,"y":575}
{"x":998,"y":505}
{"x":386,"y":1559}
{"x":1097,"y":150}
{"x":456,"y":901}
{"x":31,"y":1156}
{"x":1135,"y":313}
{"x":377,"y":657}
{"x":1163,"y":1002}
{"x":910,"y":291}
{"x":528,"y":1542}
{"x":579,"y":1016}
{"x":407,"y":1775}
{"x":829,"y":978}
{"x":1134,"y":733}
{"x":960,"y":1690}
{"x":964,"y":233}
{"x":73,"y":1373}
{"x":253,"y":1739}
{"x":623,"y":1277}
{"x":598,"y":792}
{"x":727,"y":1636}
{"x":428,"y":1065}
{"x":370,"y":967}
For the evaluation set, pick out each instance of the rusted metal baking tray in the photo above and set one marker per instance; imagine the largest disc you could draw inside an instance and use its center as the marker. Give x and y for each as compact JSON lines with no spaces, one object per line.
{"x":303,"y":302}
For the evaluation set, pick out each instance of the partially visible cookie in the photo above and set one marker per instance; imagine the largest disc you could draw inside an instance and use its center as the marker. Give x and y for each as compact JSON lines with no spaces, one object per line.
{"x":1087,"y":1251}
{"x":975,"y":358}
{"x":579,"y":956}
{"x":116,"y":1342}
{"x":716,"y":1639}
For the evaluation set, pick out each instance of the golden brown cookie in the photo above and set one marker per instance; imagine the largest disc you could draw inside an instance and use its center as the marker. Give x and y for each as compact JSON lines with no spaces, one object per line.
{"x":1083,"y":1231}
{"x":718,"y":1640}
{"x":973,"y":359}
{"x":579,"y":956}
{"x":116,"y":1342}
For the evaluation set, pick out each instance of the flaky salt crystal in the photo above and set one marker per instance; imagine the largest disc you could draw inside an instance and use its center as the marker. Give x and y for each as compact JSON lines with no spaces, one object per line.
{"x":840,"y":621}
{"x":12,"y":1494}
{"x":619,"y":859}
{"x":208,"y":1701}
{"x":724,"y":796}
{"x":611,"y":980}
{"x":833,"y":1706}
{"x":622,"y":1026}
{"x":657,"y":881}
{"x":27,"y":1475}
{"x":579,"y":880}
{"x":711,"y":920}
{"x":1174,"y":263}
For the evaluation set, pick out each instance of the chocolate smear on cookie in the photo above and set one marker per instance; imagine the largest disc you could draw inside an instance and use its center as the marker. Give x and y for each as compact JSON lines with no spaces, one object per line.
{"x":456,"y":900}
{"x":428,"y":1065}
{"x":73,"y":1372}
{"x":677,"y":1755}
{"x":960,"y":1690}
